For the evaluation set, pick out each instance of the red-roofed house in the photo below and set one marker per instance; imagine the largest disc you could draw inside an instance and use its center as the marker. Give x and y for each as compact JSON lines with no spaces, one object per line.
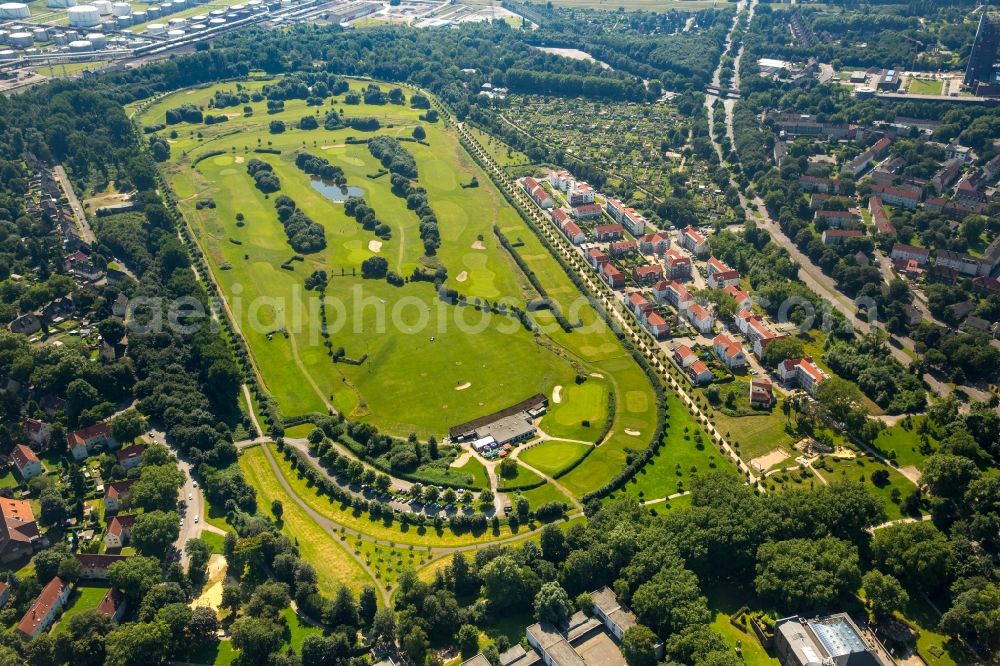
{"x":38,"y":432}
{"x":678,"y":265}
{"x":761,"y":393}
{"x":660,"y":290}
{"x":112,"y":605}
{"x":613,"y":277}
{"x":700,"y":318}
{"x":573,"y":233}
{"x":608,"y":232}
{"x":46,"y":608}
{"x":26,"y":462}
{"x":119,"y":531}
{"x":908,"y":252}
{"x":657,"y":325}
{"x":720,"y":275}
{"x":623,"y":247}
{"x":756,"y":331}
{"x":655,"y":243}
{"x":742,"y":298}
{"x":801,"y":371}
{"x":19,"y":533}
{"x":683,"y":356}
{"x":693,"y":241}
{"x":648,"y":274}
{"x":880,"y":218}
{"x":699,"y":372}
{"x":130,"y":456}
{"x":587,"y":211}
{"x":559,"y":216}
{"x":95,"y":566}
{"x":729,"y":351}
{"x":834,"y":219}
{"x":638,"y":304}
{"x":115,"y":493}
{"x":631,"y":218}
{"x":596,"y":258}
{"x":907,"y":196}
{"x":678,"y":296}
{"x":81,"y":442}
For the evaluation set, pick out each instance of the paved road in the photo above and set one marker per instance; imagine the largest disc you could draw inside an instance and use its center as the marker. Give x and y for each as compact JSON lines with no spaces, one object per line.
{"x":81,"y":218}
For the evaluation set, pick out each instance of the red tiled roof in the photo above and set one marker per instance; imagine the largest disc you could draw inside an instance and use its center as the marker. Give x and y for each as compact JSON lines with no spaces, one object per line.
{"x":683,"y":351}
{"x":587,"y":208}
{"x":99,"y":560}
{"x":739,"y":296}
{"x":697,"y":311}
{"x":602,"y":229}
{"x":111,"y":602}
{"x":655,"y":320}
{"x":572,"y":230}
{"x":130,"y":452}
{"x":81,"y":436}
{"x":559,"y":215}
{"x":22,"y":456}
{"x":698,"y":368}
{"x":32,"y":426}
{"x":620,"y":246}
{"x":645,"y":271}
{"x":48,"y":598}
{"x":117,"y":489}
{"x":119,"y":524}
{"x":693,"y":234}
{"x":635,"y":298}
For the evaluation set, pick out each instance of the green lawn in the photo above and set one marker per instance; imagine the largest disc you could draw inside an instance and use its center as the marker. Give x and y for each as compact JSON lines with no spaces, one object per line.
{"x":544,"y":494}
{"x":333,"y":563}
{"x":680,"y":457}
{"x":934,"y":648}
{"x":925,"y":87}
{"x":82,"y":598}
{"x":553,"y":456}
{"x":524,"y":477}
{"x":8,"y":479}
{"x":903,"y":444}
{"x":215,"y":541}
{"x":478,"y":472}
{"x":581,"y":412}
{"x":861,"y":469}
{"x":296,"y":631}
{"x":219,"y":654}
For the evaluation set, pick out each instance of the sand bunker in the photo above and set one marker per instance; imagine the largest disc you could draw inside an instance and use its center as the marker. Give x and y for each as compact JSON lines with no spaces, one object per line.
{"x":462,"y":387}
{"x":597,"y":375}
{"x":239,"y":159}
{"x":478,"y":245}
{"x":557,"y":395}
{"x":374,"y":245}
{"x":462,"y":277}
{"x":769,"y":460}
{"x":633,"y":433}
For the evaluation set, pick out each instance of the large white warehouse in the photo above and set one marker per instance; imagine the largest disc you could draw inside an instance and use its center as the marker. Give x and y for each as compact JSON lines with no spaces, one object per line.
{"x":14,"y":10}
{"x":84,"y":16}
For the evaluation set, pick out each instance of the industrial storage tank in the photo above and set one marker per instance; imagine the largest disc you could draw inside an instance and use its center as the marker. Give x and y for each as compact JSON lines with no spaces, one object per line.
{"x":80,"y":46}
{"x":123,"y":21}
{"x":97,"y":40}
{"x":103,"y":6}
{"x":153,"y":11}
{"x":156,"y":28}
{"x":60,"y":4}
{"x":216,"y":22}
{"x":84,"y":16}
{"x":174,"y":34}
{"x":4,"y":36}
{"x":14,"y":10}
{"x":179,"y":5}
{"x":121,"y":9}
{"x":166,"y":8}
{"x":40,"y":34}
{"x":7,"y":54}
{"x":177,"y":22}
{"x":217,"y":12}
{"x":199,"y":18}
{"x":20,"y":40}
{"x":139,"y":17}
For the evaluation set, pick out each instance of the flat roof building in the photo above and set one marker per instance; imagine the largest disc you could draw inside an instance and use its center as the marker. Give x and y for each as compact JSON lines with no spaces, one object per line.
{"x":832,"y":640}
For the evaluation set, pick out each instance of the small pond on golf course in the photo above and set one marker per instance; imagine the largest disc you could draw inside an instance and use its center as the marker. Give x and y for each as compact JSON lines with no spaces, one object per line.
{"x":334,"y":192}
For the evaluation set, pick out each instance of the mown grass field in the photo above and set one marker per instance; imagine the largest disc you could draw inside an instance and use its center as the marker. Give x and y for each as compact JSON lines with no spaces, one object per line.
{"x":861,"y":469}
{"x":428,"y":365}
{"x":553,"y":456}
{"x":903,"y":443}
{"x":83,"y":598}
{"x":333,"y":563}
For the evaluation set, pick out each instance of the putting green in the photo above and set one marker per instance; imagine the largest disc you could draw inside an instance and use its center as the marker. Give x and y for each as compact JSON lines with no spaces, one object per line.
{"x":578,"y":403}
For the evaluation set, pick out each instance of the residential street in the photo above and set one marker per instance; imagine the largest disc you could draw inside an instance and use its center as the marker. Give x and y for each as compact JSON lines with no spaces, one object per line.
{"x":81,"y":218}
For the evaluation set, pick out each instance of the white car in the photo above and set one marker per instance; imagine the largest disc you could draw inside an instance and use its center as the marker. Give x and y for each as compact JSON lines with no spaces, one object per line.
{"x":196,"y":519}
{"x":194,"y":483}
{"x":182,"y":522}
{"x":190,"y":496}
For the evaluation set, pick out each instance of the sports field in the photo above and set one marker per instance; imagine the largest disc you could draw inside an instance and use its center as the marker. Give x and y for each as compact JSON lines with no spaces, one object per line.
{"x":427,"y":364}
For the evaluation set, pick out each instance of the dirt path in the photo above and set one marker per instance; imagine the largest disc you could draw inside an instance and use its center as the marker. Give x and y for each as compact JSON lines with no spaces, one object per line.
{"x":555,"y":484}
{"x":305,"y":373}
{"x":81,"y":218}
{"x":250,"y":411}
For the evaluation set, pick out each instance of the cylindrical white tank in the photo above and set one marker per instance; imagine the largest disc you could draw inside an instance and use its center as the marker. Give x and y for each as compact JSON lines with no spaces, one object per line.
{"x":199,"y":18}
{"x":80,"y":46}
{"x":174,"y":34}
{"x":84,"y":16}
{"x":121,"y":9}
{"x":14,"y":10}
{"x":217,"y":12}
{"x":61,"y":39}
{"x":60,"y":4}
{"x":166,"y":8}
{"x":139,"y":17}
{"x":196,"y":27}
{"x":97,"y":40}
{"x":103,"y":6}
{"x":40,"y":34}
{"x":179,"y":5}
{"x":156,"y":28}
{"x":20,"y":40}
{"x":123,"y":21}
{"x":177,"y":22}
{"x":4,"y":36}
{"x":215,"y":22}
{"x":7,"y":54}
